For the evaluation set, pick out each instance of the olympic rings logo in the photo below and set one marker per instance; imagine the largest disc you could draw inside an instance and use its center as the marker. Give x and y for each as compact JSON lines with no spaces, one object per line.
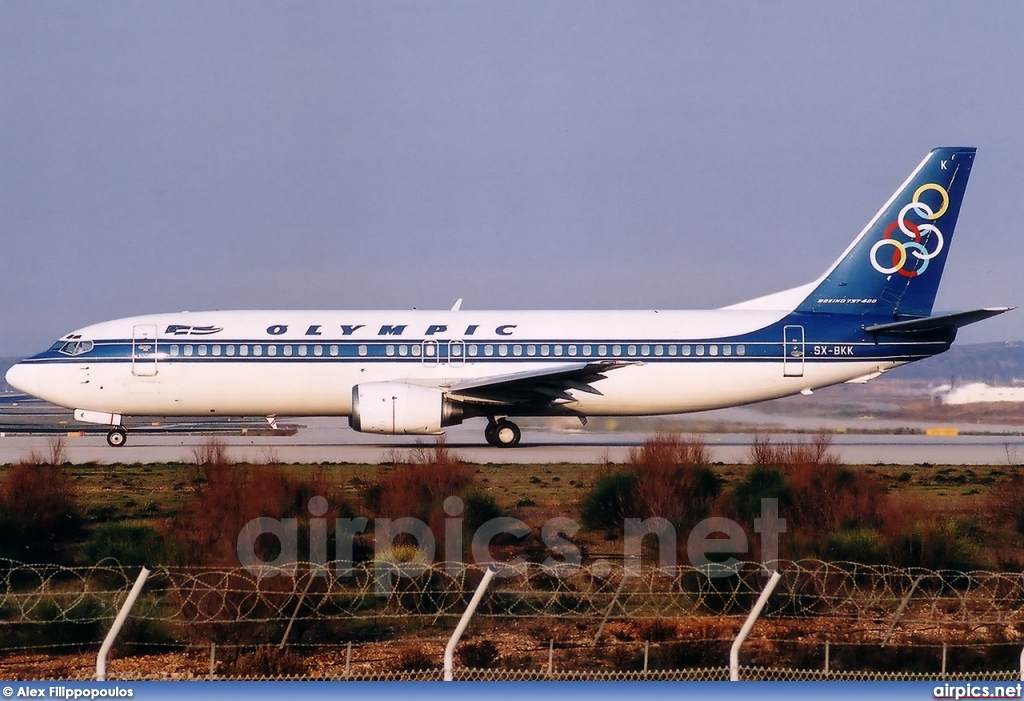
{"x":902,"y":250}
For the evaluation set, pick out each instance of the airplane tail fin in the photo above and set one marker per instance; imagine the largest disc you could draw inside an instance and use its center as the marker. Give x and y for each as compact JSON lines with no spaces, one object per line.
{"x":893,"y":267}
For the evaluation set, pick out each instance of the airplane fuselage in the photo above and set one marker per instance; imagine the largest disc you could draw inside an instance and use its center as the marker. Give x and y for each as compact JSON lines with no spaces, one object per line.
{"x":307,"y":362}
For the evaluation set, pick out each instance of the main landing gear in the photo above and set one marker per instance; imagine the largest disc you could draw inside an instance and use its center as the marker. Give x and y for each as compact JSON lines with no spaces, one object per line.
{"x":117,"y":437}
{"x":502,"y":433}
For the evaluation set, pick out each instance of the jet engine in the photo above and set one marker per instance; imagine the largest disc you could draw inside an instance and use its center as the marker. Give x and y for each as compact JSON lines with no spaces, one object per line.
{"x":400,"y":408}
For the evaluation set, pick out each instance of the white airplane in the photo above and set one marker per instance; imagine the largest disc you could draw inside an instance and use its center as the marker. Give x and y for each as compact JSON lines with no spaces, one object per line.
{"x":416,"y":372}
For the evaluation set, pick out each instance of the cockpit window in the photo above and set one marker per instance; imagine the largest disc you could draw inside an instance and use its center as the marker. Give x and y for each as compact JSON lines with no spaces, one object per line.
{"x":73,"y":347}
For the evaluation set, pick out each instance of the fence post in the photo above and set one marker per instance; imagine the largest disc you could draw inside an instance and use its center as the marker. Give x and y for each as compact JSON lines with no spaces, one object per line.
{"x":608,"y":613}
{"x":122,"y":616}
{"x":551,"y":658}
{"x":734,"y":652}
{"x":213,"y":660}
{"x":826,"y":657}
{"x":348,"y":660}
{"x":449,"y":651}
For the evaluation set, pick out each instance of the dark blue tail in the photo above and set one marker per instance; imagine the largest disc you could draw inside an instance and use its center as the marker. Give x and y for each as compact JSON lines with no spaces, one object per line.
{"x":893,"y":267}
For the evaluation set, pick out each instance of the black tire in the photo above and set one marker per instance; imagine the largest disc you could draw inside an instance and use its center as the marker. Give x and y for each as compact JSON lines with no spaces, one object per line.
{"x":489,"y":434}
{"x":506,"y":434}
{"x":117,"y":437}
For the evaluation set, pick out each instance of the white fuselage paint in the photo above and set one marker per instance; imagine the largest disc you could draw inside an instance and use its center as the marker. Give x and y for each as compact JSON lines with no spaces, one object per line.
{"x":658,"y":383}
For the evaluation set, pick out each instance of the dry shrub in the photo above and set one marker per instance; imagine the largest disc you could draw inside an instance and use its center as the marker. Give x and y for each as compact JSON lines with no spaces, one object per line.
{"x":206,"y":530}
{"x":823,"y":495}
{"x":667,"y":477}
{"x":262,"y":663}
{"x":674,"y":480}
{"x":413,"y":658}
{"x":418,"y":484}
{"x":211,"y":452}
{"x":918,"y":537}
{"x":478,"y":654}
{"x":1006,"y":504}
{"x":38,"y":511}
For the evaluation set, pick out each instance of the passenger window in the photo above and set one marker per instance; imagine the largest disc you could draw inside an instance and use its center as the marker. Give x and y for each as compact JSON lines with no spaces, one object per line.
{"x":202,"y":350}
{"x":363,"y":350}
{"x":686,"y":349}
{"x":726,"y":350}
{"x":659,"y":350}
{"x":645,"y":350}
{"x":672,"y":349}
{"x":712,"y":350}
{"x":243,"y":350}
{"x":586,"y":350}
{"x":303,"y":350}
{"x":174,"y":350}
{"x":216,"y":350}
{"x":631,"y":350}
{"x":288,"y":351}
{"x":558,"y":349}
{"x":545,"y":350}
{"x":403,"y":350}
{"x":334,"y":351}
{"x":416,"y":351}
{"x":389,"y":351}
{"x":272,"y":350}
{"x":531,"y":350}
{"x":488,"y":350}
{"x":700,"y":350}
{"x":257,"y":350}
{"x":616,"y":350}
{"x":188,"y":351}
{"x":741,"y":349}
{"x":572,"y":350}
{"x":474,"y":350}
{"x":229,"y":350}
{"x":517,"y":350}
{"x":503,"y":350}
{"x":318,"y":351}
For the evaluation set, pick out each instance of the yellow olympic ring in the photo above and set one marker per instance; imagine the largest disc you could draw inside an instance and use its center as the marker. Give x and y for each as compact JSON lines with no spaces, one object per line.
{"x":942,"y":192}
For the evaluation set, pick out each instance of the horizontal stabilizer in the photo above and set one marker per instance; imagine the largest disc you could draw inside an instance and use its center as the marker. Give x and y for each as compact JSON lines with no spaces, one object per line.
{"x":937,"y":323}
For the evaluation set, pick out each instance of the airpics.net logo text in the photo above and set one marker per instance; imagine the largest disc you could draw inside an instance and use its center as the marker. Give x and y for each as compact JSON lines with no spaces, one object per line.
{"x":712,"y":545}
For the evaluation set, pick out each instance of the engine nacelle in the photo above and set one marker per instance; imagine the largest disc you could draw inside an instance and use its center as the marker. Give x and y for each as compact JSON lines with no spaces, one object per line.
{"x":400,"y":408}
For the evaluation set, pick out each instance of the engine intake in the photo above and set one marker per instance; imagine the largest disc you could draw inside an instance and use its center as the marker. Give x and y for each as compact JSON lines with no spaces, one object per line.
{"x":400,"y":408}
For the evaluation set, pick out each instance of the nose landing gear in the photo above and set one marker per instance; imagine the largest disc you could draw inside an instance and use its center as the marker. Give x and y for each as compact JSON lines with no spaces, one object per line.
{"x":502,"y":433}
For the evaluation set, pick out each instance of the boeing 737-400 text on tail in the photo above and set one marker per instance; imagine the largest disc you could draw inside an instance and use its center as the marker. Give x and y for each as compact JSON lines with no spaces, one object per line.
{"x":416,"y":372}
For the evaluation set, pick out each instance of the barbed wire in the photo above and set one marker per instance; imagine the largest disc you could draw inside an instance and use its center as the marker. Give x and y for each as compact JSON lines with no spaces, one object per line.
{"x":809,"y":588}
{"x":680,"y":613}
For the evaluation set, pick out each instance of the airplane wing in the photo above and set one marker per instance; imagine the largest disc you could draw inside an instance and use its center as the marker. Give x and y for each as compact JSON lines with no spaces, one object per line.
{"x":536,"y":387}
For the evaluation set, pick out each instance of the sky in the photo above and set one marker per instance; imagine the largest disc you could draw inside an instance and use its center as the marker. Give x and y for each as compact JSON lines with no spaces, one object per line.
{"x":206,"y":154}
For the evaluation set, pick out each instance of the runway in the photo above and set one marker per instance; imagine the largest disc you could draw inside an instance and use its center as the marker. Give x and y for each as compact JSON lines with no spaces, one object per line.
{"x":329,"y":440}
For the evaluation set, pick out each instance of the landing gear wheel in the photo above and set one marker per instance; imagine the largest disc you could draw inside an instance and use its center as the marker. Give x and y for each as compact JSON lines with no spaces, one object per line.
{"x":117,"y":437}
{"x":505,"y":433}
{"x":489,"y":433}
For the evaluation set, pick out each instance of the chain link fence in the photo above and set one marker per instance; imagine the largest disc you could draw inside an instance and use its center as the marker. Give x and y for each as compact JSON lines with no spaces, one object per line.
{"x":391,"y":620}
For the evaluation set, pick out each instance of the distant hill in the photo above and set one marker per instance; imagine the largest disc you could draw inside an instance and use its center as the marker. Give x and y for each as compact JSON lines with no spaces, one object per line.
{"x":5,"y":364}
{"x":991,"y":363}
